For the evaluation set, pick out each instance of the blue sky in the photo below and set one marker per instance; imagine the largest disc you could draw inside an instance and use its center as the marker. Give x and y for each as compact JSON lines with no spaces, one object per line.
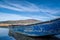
{"x":29,"y":9}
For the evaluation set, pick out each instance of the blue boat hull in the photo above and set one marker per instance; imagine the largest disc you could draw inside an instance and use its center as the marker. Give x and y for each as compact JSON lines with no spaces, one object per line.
{"x":39,"y":29}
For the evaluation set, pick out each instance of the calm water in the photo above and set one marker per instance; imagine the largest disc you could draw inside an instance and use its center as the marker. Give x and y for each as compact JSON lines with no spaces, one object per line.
{"x":4,"y":34}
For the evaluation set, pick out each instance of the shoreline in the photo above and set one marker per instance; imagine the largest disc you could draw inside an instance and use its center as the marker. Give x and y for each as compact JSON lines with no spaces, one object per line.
{"x":3,"y":26}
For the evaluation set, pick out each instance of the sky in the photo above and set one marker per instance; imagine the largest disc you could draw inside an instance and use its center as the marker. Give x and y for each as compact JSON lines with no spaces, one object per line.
{"x":29,"y":9}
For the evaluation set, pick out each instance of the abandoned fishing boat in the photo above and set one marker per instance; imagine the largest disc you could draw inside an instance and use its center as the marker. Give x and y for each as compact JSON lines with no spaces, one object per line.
{"x":51,"y":27}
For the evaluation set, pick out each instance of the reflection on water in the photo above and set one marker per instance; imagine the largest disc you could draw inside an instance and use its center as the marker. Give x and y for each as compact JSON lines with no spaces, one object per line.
{"x":4,"y":34}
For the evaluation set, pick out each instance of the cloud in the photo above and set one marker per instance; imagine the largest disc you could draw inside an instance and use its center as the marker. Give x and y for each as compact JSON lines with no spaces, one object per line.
{"x":30,"y":8}
{"x":43,"y":18}
{"x":27,"y":7}
{"x":6,"y":16}
{"x":11,"y":8}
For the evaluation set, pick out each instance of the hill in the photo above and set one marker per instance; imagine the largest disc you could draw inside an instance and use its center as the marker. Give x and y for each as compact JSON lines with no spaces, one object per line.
{"x":19,"y":22}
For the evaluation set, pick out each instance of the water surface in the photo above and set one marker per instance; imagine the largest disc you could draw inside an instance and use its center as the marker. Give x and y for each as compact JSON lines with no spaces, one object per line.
{"x":4,"y":34}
